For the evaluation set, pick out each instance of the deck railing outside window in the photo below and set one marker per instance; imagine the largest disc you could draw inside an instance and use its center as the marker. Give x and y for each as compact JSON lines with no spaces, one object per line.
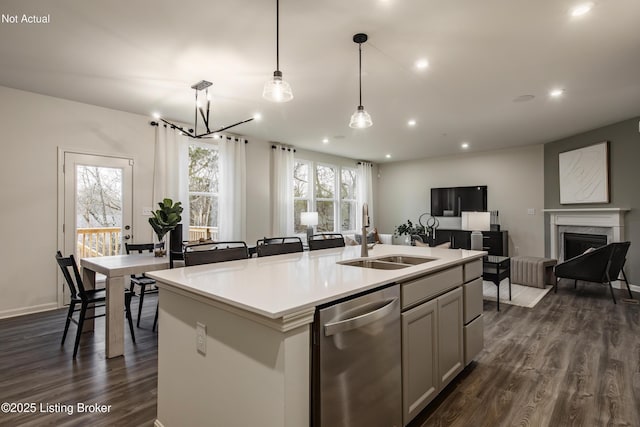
{"x":206,"y":233}
{"x":99,"y":241}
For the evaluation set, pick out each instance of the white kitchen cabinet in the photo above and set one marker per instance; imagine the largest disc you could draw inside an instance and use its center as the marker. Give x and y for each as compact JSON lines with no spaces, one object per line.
{"x":450,"y":339}
{"x":419,"y":358}
{"x":432,"y":350}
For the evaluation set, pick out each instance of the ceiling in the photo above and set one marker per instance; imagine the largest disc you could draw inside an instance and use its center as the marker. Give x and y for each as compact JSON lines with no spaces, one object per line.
{"x":143,"y":56}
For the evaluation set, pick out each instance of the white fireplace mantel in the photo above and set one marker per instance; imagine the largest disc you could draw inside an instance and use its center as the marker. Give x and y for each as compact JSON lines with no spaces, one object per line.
{"x":610,"y":218}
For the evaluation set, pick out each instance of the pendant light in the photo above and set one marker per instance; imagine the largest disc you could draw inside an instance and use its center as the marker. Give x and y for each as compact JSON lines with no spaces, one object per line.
{"x":276,"y":89}
{"x":360,"y":119}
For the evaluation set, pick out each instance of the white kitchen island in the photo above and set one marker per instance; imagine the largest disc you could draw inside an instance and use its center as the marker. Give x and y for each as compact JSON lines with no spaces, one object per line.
{"x":252,"y":366}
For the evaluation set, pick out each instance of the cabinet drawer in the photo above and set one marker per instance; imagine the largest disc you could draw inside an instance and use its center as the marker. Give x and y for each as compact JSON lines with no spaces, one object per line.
{"x":472,"y":299}
{"x":473,"y":339}
{"x":430,"y":286}
{"x":472,"y":270}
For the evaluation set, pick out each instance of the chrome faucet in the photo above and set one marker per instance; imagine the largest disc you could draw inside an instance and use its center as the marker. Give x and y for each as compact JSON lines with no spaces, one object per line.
{"x":364,"y":250}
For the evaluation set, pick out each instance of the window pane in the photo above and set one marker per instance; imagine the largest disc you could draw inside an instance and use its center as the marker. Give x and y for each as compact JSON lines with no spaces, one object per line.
{"x":203,"y":211}
{"x":203,"y":169}
{"x":348,"y":215}
{"x":348,"y":184}
{"x":325,"y":182}
{"x":325,"y":216}
{"x":301,"y":179}
{"x":298,"y":207}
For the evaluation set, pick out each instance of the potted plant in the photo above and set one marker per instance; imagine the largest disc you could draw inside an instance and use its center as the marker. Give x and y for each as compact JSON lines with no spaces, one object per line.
{"x":164,"y":220}
{"x":408,"y":228}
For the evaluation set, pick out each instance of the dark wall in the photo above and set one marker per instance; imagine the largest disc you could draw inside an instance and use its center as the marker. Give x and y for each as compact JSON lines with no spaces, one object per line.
{"x":624,"y":180}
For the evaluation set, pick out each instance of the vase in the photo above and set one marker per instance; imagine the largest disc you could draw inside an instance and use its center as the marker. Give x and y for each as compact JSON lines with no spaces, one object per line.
{"x":160,"y":246}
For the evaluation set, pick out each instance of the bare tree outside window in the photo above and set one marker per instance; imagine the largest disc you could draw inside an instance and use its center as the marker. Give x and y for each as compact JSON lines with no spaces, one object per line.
{"x":325,"y":186}
{"x":301,"y":196}
{"x":203,"y":190}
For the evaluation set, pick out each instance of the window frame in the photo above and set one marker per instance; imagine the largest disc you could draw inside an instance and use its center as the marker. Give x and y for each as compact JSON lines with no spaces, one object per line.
{"x":212,"y":230}
{"x":337,"y":193}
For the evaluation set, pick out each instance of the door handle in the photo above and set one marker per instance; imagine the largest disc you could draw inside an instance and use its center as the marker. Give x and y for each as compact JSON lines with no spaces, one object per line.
{"x":345,"y":325}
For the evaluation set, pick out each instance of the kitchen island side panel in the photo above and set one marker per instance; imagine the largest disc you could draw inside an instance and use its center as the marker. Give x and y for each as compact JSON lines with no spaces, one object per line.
{"x":251,"y":374}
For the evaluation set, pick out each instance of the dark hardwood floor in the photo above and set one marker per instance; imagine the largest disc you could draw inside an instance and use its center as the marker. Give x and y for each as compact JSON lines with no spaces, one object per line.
{"x":34,"y":368}
{"x":573,"y":360}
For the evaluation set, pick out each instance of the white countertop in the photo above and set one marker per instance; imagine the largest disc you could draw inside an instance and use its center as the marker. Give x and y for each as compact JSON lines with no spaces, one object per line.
{"x":279,"y":285}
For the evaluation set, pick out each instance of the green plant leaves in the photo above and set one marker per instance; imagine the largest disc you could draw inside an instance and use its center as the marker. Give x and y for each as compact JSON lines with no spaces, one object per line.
{"x":166,"y":218}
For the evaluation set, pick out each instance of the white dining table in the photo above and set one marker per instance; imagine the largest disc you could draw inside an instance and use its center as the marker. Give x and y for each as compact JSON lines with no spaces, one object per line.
{"x":116,"y":268}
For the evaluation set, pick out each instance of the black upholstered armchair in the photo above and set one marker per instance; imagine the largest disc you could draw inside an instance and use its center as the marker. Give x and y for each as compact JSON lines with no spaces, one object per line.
{"x":601,"y":265}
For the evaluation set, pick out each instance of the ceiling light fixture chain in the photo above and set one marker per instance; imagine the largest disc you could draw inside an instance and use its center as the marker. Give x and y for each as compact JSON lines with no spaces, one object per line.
{"x":193,"y":133}
{"x":276,"y":89}
{"x":360,"y":119}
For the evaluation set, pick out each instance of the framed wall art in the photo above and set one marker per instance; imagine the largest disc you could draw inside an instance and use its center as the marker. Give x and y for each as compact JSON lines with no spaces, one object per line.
{"x":584,"y":174}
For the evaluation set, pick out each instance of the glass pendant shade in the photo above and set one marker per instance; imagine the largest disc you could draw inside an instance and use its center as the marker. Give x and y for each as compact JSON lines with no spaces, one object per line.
{"x":276,"y":89}
{"x":360,"y":119}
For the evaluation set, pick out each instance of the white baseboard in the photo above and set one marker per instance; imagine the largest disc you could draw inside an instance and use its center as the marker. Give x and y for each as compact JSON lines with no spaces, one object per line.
{"x":157,"y":423}
{"x":14,"y":312}
{"x":618,"y":284}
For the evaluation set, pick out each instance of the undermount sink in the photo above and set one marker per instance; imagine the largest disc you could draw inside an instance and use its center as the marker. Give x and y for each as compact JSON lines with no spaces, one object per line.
{"x":389,"y":262}
{"x":404,"y":259}
{"x":371,"y":263}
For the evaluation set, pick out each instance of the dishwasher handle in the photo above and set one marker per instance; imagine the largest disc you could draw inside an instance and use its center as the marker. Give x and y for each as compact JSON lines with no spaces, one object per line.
{"x":345,"y":325}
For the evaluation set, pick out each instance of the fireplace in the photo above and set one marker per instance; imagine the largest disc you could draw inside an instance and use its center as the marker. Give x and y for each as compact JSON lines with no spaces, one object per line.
{"x":607,"y":222}
{"x":576,"y":243}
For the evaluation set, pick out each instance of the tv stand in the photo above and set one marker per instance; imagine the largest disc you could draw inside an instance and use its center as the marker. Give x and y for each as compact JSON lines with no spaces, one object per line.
{"x":494,"y":242}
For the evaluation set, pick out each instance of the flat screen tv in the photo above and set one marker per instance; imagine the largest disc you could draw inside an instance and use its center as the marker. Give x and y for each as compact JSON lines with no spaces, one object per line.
{"x":453,"y":200}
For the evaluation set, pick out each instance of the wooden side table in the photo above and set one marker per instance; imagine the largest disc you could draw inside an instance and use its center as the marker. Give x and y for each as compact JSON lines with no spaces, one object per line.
{"x":495,"y":269}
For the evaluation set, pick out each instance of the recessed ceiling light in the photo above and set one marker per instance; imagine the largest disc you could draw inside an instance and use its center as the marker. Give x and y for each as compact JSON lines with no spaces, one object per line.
{"x":156,"y":115}
{"x":581,"y":9}
{"x":524,"y":98}
{"x":422,"y":64}
{"x":465,"y":145}
{"x":325,"y":141}
{"x":388,"y":156}
{"x":411,"y":122}
{"x":556,"y":93}
{"x":257,"y":116}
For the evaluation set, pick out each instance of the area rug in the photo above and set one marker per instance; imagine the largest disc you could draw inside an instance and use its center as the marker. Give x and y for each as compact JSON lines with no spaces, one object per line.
{"x":523,"y":296}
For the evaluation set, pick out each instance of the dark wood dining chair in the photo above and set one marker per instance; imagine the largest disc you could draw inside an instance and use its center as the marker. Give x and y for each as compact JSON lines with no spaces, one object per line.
{"x":212,"y":252}
{"x":87,"y":298}
{"x":326,"y":241}
{"x":278,"y":246}
{"x":146,"y":284}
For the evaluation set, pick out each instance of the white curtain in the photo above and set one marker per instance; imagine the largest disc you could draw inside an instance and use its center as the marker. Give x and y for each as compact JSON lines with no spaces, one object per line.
{"x":282,"y":191}
{"x":364,"y":194}
{"x":232,"y":213}
{"x":171,"y":169}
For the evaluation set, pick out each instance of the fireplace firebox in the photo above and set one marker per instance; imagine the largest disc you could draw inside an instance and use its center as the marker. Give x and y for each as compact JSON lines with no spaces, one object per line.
{"x":576,"y":243}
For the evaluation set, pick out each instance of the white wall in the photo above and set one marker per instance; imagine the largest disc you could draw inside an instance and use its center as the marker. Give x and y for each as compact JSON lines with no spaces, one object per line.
{"x":33,"y":127}
{"x":515,"y":180}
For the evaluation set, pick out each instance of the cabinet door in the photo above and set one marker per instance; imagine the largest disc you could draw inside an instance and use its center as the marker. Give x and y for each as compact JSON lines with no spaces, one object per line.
{"x":450,"y":339}
{"x":419,"y":358}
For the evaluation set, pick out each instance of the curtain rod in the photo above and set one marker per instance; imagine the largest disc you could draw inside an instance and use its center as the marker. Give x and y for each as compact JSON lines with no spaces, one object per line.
{"x":153,"y":123}
{"x":284,"y":148}
{"x":366,"y":163}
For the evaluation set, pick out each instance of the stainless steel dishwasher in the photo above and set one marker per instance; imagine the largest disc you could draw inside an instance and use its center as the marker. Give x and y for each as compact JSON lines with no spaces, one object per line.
{"x":357,"y":362}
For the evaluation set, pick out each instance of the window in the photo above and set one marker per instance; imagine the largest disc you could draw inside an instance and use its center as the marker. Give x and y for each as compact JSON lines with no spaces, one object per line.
{"x":327,"y":189}
{"x":203,"y":191}
{"x":348,"y":205}
{"x":301,"y":193}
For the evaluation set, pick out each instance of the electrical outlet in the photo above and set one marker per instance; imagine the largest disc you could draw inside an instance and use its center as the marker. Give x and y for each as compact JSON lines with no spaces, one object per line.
{"x":146,"y":211}
{"x":201,"y":338}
